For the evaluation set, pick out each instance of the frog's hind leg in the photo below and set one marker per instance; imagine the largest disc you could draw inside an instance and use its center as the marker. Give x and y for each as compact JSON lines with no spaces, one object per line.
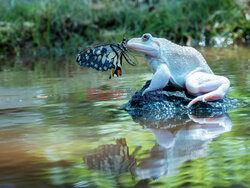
{"x":207,"y":87}
{"x":160,"y":79}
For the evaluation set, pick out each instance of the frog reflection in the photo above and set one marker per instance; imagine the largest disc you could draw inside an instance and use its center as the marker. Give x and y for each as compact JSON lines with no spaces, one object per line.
{"x":174,"y":146}
{"x":177,"y":145}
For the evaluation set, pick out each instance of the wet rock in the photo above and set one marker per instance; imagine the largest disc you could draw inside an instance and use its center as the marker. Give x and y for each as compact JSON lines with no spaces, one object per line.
{"x":170,"y":103}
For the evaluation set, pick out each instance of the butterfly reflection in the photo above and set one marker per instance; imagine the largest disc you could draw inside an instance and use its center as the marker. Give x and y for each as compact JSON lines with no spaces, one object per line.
{"x":174,"y":146}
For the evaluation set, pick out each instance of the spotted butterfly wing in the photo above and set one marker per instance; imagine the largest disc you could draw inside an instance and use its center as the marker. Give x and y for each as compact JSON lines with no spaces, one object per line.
{"x":104,"y":57}
{"x":100,"y":58}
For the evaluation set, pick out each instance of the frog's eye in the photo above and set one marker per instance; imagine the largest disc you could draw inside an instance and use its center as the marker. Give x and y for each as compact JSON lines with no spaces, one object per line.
{"x":145,"y":37}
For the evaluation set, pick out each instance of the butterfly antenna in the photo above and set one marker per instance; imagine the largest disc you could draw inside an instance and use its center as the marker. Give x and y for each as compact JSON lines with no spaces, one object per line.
{"x":124,"y":39}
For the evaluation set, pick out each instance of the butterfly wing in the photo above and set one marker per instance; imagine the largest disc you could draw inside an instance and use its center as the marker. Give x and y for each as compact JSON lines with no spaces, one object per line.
{"x":100,"y":58}
{"x":104,"y":57}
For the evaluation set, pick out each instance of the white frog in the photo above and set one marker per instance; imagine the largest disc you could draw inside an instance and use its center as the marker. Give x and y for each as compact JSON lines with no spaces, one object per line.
{"x":181,"y":66}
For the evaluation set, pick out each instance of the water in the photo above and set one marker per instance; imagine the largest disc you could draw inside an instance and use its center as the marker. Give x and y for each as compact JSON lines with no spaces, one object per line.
{"x":51,"y":135}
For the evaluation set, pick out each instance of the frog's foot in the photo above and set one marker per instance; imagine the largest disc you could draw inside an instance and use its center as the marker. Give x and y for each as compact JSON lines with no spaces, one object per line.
{"x":145,"y":91}
{"x":213,"y":96}
{"x":159,"y":80}
{"x":210,"y":87}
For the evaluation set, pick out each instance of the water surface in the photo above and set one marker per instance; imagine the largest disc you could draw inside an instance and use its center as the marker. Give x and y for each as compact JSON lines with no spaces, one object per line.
{"x":51,"y":135}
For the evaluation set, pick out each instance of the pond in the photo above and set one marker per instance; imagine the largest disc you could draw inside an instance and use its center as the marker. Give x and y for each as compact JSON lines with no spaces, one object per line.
{"x":53,"y":135}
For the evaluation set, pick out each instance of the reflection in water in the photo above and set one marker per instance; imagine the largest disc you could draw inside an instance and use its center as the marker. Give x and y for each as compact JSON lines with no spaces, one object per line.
{"x":17,"y":163}
{"x":42,"y":140}
{"x":177,"y":145}
{"x":113,"y":158}
{"x":173,"y":147}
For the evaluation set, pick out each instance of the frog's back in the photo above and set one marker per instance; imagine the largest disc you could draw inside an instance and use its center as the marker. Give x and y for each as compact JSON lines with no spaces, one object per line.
{"x":182,"y":60}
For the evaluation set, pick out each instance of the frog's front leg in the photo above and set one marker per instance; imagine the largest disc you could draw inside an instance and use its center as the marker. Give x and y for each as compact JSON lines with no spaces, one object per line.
{"x":160,"y":79}
{"x":207,"y":87}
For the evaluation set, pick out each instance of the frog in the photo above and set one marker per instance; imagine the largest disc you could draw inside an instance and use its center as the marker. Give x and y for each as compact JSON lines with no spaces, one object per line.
{"x":180,"y":66}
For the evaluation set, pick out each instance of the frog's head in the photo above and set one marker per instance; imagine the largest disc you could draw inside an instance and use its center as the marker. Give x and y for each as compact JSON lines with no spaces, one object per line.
{"x":147,"y":45}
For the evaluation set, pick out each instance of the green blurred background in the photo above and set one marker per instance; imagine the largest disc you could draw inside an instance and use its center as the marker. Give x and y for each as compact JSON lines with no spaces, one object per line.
{"x":63,"y":27}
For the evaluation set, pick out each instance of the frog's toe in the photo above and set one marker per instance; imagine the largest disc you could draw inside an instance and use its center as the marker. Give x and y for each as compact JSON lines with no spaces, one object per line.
{"x":212,"y":96}
{"x":145,"y":91}
{"x":195,"y":100}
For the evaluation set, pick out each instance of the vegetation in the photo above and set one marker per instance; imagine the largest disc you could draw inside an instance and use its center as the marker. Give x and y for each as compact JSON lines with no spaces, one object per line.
{"x":62,"y":26}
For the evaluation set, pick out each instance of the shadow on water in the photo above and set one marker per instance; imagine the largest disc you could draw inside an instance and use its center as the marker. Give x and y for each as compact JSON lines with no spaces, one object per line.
{"x":173,"y":146}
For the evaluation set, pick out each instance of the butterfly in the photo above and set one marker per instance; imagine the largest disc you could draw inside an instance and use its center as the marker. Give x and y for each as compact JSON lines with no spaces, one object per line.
{"x":106,"y":56}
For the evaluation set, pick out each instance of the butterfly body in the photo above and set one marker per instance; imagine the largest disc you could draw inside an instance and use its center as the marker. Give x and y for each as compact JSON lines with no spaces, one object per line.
{"x":105,"y":57}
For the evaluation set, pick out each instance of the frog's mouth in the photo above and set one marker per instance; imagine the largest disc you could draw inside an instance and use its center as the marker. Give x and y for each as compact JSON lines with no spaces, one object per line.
{"x":145,"y":48}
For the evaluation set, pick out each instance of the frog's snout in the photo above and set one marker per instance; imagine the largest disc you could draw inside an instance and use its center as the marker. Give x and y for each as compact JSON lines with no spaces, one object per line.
{"x":132,"y":42}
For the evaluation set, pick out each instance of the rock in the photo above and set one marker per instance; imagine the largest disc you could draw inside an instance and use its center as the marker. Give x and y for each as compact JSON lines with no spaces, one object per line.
{"x":170,"y":103}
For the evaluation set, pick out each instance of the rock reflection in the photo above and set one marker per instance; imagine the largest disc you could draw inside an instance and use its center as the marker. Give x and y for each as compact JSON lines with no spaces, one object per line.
{"x":177,"y":145}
